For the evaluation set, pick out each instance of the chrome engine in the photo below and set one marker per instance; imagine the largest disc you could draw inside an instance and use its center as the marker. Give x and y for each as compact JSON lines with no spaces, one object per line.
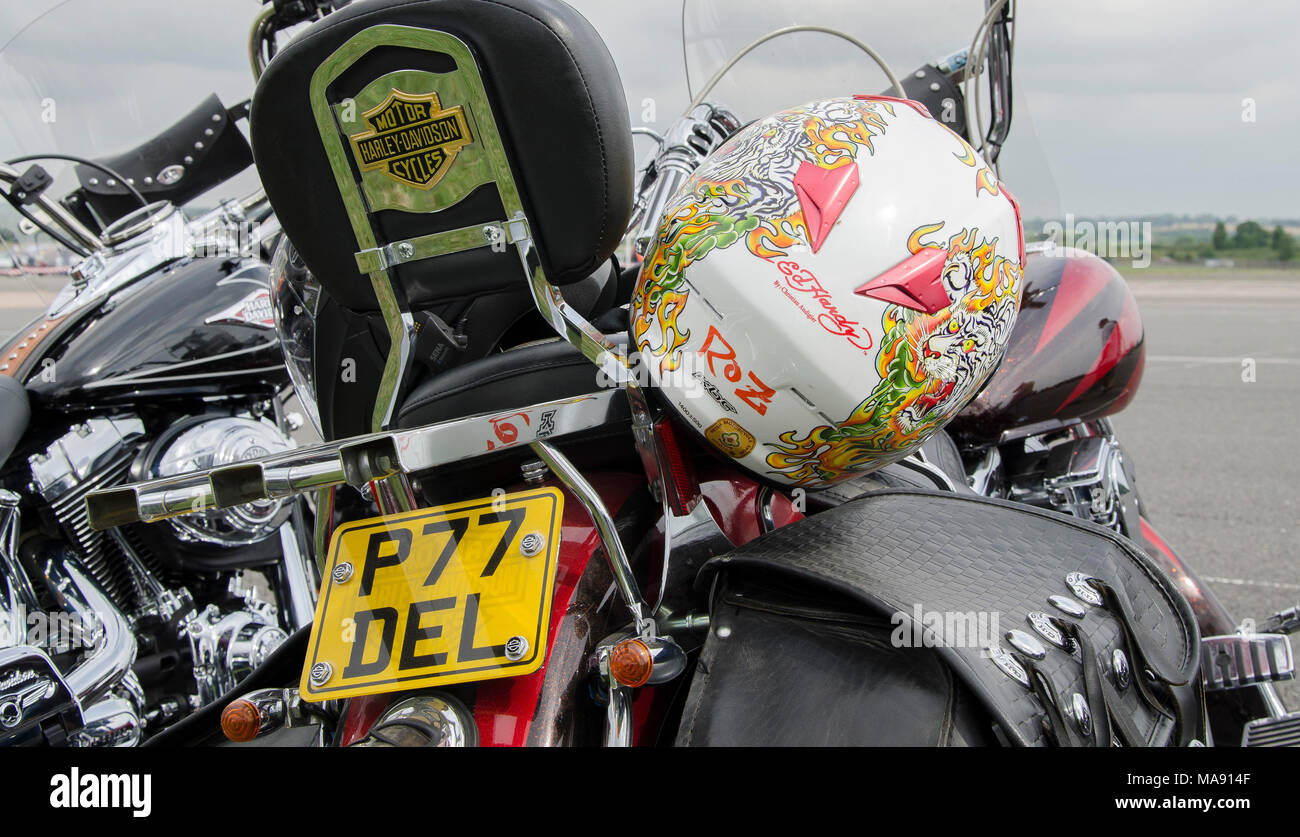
{"x":115,"y":588}
{"x":1079,"y":470}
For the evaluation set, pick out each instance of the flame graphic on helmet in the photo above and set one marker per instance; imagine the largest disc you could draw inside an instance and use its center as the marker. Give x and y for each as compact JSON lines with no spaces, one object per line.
{"x":743,"y":192}
{"x":927,"y":364}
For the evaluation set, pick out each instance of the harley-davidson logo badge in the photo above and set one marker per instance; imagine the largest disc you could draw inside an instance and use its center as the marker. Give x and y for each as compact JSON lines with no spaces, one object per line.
{"x":412,"y":139}
{"x":734,"y":440}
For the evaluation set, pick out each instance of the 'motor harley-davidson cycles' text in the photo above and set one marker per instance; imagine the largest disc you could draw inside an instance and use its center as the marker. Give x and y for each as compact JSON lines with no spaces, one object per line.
{"x":824,"y":455}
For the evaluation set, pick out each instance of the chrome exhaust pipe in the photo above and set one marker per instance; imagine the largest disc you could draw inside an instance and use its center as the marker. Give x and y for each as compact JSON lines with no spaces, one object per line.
{"x":113,"y":644}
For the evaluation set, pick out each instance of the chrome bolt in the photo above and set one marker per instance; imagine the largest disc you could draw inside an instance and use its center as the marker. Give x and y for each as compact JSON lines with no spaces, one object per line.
{"x":405,"y":250}
{"x":342,"y":572}
{"x":531,"y":544}
{"x":516,"y":648}
{"x":534,"y":471}
{"x":491,"y":233}
{"x":321,"y":673}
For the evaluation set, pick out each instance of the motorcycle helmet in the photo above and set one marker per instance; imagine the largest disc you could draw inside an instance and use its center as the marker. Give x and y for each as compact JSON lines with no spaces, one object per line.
{"x":829,"y":288}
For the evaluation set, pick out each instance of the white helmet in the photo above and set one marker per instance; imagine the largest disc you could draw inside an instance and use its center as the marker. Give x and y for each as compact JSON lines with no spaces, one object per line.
{"x":830,"y":288}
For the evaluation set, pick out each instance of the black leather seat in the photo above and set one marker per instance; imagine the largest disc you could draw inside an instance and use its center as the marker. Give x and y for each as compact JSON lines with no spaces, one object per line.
{"x":506,"y":381}
{"x":15,"y":413}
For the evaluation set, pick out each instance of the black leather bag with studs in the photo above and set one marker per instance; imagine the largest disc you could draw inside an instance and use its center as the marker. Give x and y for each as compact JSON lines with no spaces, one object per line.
{"x":924,"y":617}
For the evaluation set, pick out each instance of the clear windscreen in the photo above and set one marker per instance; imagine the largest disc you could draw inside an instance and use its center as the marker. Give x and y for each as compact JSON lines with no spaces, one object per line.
{"x":668,"y":52}
{"x":94,"y":78}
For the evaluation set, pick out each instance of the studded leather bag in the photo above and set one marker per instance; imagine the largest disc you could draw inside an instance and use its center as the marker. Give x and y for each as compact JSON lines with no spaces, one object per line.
{"x":1094,"y":645}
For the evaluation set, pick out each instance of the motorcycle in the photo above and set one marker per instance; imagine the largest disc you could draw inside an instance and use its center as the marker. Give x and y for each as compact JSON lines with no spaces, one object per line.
{"x":524,"y":543}
{"x":159,"y":355}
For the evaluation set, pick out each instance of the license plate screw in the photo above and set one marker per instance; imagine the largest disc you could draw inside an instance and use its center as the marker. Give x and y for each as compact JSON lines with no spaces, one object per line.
{"x":531,"y":544}
{"x":342,"y":572}
{"x":516,"y":648}
{"x":321,"y":673}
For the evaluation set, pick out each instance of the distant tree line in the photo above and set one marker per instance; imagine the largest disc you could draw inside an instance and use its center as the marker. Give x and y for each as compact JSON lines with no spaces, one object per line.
{"x":1249,"y":235}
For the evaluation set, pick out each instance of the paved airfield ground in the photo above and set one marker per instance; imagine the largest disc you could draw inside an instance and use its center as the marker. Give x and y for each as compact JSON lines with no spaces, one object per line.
{"x":1216,"y":456}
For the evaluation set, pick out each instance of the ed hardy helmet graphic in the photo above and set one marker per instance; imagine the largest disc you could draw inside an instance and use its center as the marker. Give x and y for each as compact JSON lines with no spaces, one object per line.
{"x":846,"y":275}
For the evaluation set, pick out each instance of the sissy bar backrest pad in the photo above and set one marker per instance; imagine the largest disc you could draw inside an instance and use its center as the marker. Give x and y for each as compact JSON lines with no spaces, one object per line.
{"x":430,"y":156}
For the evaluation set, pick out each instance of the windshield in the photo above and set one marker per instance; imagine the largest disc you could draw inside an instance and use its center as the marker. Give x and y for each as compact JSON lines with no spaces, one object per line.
{"x":96,"y":78}
{"x":667,"y":52}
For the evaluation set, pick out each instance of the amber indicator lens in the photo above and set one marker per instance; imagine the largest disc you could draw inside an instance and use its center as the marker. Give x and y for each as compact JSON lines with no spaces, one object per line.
{"x":240,"y":721}
{"x":630,"y":662}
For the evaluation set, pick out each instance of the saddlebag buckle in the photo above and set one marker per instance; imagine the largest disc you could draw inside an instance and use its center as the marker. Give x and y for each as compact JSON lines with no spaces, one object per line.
{"x":1238,"y":660}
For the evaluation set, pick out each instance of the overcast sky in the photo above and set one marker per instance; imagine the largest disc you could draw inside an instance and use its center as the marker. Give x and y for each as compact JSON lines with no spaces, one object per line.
{"x":1122,"y":108}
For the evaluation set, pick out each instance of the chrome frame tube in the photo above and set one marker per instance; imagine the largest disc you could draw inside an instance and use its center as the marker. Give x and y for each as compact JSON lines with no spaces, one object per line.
{"x":619,"y":564}
{"x":299,"y":574}
{"x":354,"y":461}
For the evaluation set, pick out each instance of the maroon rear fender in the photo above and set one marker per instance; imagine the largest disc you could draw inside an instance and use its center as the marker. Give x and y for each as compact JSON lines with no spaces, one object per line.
{"x":1076,"y":350}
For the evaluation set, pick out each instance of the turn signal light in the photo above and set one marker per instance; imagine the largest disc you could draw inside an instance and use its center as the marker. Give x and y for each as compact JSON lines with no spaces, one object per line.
{"x":631,"y":663}
{"x":240,"y":721}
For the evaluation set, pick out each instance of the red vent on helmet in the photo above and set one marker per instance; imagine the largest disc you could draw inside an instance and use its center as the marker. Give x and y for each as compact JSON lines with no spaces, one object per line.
{"x":916,"y":282}
{"x":823,"y":194}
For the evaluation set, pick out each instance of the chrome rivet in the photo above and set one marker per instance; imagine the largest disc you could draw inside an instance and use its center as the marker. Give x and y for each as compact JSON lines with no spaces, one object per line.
{"x":13,"y":356}
{"x":4,"y":367}
{"x":22,"y":345}
{"x":1196,"y":742}
{"x":198,"y":144}
{"x":11,"y":714}
{"x":1068,"y":606}
{"x":110,"y":182}
{"x":1009,"y":665}
{"x":94,"y":181}
{"x":188,"y":159}
{"x":516,"y":648}
{"x":148,"y":180}
{"x":1042,"y":623}
{"x":31,"y":336}
{"x":1120,"y":668}
{"x":1026,"y":644}
{"x":531,"y":544}
{"x":207,"y":132}
{"x":342,"y":572}
{"x":934,"y":86}
{"x":1085,"y":592}
{"x":1082,"y":716}
{"x":216,"y":117}
{"x":321,"y":673}
{"x":723,"y":631}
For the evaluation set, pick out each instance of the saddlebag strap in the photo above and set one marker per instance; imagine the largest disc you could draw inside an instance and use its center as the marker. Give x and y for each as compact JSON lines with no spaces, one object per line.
{"x":924,"y":557}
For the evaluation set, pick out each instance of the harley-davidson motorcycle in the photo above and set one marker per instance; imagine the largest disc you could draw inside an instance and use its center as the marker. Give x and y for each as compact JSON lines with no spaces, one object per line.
{"x":525,"y":540}
{"x":159,"y":356}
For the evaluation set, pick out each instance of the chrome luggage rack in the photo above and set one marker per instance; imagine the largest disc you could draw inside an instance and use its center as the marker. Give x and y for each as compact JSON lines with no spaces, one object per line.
{"x":354,"y":461}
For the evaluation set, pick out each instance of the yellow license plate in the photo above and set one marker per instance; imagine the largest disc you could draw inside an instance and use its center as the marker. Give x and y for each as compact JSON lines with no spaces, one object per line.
{"x":435,"y":596}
